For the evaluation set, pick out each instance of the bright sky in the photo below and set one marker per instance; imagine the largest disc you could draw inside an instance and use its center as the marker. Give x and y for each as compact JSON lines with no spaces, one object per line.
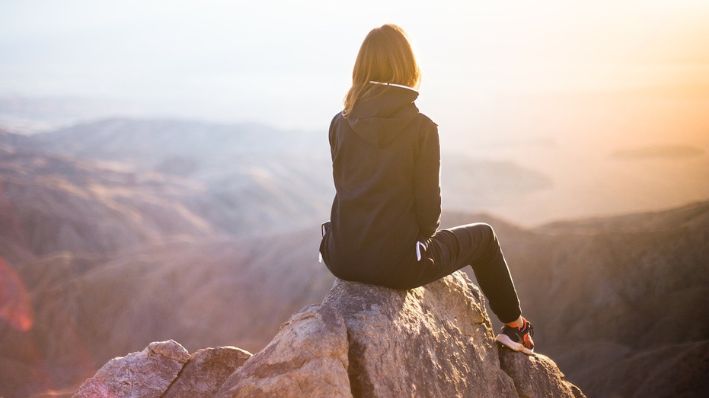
{"x":288,"y":64}
{"x":555,"y":86}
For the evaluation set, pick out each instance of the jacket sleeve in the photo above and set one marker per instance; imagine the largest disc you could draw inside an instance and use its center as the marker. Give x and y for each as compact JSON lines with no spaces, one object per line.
{"x":331,"y":137}
{"x":427,"y":189}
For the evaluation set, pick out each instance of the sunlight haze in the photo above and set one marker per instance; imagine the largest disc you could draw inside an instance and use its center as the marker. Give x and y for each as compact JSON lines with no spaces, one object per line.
{"x":554,"y":86}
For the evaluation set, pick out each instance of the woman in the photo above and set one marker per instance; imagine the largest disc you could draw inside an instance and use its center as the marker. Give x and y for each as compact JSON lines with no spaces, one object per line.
{"x":384,"y":221}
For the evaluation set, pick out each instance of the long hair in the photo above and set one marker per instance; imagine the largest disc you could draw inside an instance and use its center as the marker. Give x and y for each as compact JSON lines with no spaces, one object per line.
{"x":385,"y":56}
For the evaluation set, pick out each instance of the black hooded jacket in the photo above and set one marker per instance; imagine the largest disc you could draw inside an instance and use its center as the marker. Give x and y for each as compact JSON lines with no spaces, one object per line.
{"x":386,"y":170}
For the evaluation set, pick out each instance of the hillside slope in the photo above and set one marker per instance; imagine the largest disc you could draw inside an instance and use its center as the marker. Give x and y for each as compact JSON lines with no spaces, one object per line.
{"x":619,"y":301}
{"x":50,"y":203}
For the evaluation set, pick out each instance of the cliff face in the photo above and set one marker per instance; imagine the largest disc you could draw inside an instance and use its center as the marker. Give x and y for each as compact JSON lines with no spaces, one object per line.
{"x":361,"y":341}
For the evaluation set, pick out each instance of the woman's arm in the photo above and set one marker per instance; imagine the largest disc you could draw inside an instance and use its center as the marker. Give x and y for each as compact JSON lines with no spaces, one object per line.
{"x":331,"y":137}
{"x":427,"y":187}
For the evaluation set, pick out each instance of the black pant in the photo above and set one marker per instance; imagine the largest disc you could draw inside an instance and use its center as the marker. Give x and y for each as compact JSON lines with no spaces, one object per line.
{"x":449,"y":250}
{"x":476,"y":245}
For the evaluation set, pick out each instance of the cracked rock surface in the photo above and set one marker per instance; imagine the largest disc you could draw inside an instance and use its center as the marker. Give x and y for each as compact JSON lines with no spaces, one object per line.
{"x":147,"y":373}
{"x":361,"y":341}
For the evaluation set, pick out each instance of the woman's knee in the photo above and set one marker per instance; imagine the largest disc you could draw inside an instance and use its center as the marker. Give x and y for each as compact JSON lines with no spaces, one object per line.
{"x":486,"y":231}
{"x":488,"y":240}
{"x":486,"y":228}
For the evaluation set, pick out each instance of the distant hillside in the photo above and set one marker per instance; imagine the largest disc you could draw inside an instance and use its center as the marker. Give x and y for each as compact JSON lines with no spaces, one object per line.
{"x":217,"y":246}
{"x":235,"y":197}
{"x":619,"y":301}
{"x":148,"y":143}
{"x":265,"y":171}
{"x":622,"y":291}
{"x":51,"y":203}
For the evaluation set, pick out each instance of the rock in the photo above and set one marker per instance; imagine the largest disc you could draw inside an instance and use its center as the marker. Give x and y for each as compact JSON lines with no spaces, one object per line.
{"x":205,"y":372}
{"x":432,"y":341}
{"x":361,"y":341}
{"x":537,"y":376}
{"x":144,"y":374}
{"x":307,"y":358}
{"x":165,"y":369}
{"x":370,"y":341}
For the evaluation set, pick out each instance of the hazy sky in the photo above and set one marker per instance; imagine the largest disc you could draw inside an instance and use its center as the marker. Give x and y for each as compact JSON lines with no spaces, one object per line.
{"x":289,"y":62}
{"x":556,"y":86}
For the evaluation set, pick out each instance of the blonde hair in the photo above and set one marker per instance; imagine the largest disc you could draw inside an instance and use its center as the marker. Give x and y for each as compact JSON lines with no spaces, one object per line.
{"x":385,"y":56}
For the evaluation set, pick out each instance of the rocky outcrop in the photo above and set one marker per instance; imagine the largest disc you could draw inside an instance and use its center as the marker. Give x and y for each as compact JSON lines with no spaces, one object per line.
{"x":361,"y":341}
{"x":164,"y":369}
{"x":536,"y":376}
{"x":145,"y":374}
{"x":308,"y":358}
{"x":205,"y":372}
{"x":434,"y":341}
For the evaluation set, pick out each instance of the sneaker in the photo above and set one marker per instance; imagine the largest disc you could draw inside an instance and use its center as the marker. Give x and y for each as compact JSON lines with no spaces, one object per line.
{"x":518,"y":339}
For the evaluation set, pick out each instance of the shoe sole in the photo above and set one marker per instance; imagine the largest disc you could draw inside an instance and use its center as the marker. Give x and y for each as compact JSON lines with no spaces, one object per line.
{"x":513,"y":345}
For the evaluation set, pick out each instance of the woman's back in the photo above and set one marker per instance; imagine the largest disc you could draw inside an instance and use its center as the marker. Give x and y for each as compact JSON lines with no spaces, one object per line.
{"x":385,"y":155}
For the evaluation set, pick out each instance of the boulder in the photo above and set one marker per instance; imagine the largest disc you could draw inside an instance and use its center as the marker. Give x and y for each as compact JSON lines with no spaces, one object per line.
{"x":371,"y":341}
{"x":536,"y":376}
{"x":361,"y":341}
{"x":308,"y":357}
{"x":206,"y":371}
{"x":432,"y":341}
{"x":144,"y":374}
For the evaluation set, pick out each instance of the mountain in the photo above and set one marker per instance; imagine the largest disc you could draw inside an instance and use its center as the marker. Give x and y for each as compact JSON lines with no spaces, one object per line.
{"x":617,"y":299}
{"x":254,"y":178}
{"x":96,"y":252}
{"x":587,"y":285}
{"x":30,"y":115}
{"x":51,"y":203}
{"x":361,"y":341}
{"x":260,"y":177}
{"x":123,"y":199}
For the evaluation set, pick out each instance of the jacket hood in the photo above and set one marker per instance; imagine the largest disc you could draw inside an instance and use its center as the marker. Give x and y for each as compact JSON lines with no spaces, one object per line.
{"x":380,"y":116}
